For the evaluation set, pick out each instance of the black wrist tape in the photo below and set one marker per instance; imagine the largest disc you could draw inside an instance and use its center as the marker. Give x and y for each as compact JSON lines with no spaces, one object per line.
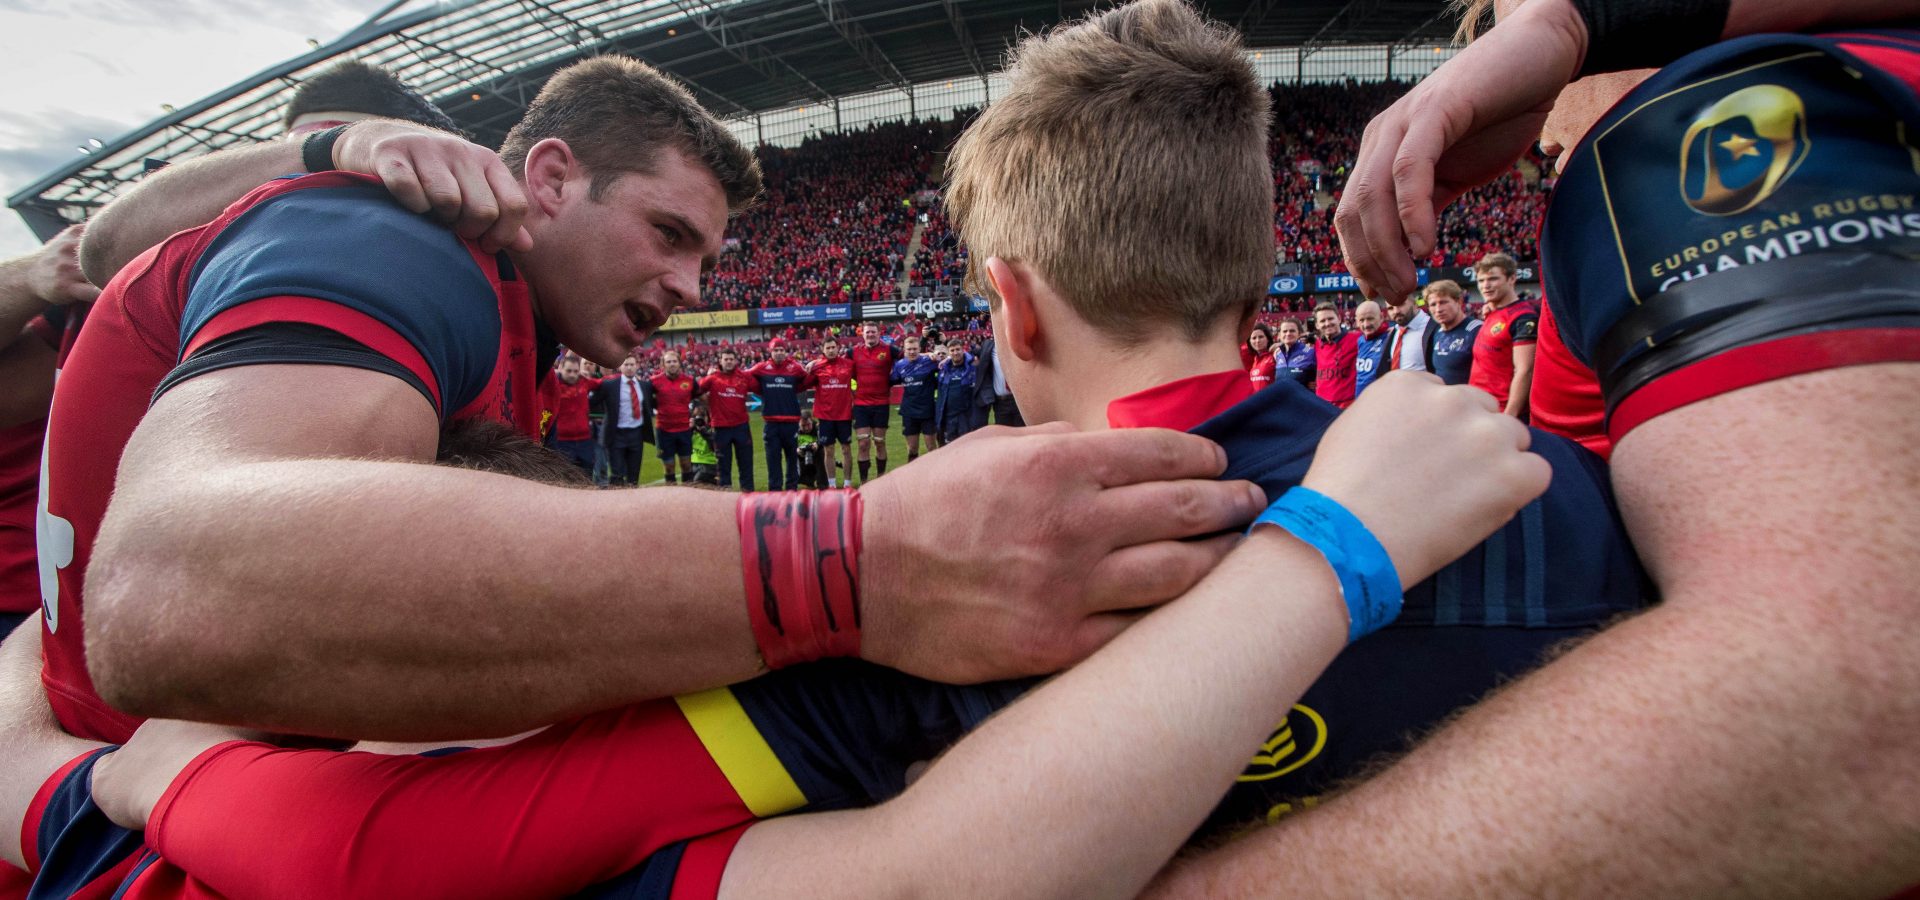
{"x":1647,"y":34}
{"x":316,"y":152}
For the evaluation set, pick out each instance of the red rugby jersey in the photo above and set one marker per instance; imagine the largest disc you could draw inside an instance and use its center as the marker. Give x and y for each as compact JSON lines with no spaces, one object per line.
{"x":1335,"y":372}
{"x":672,"y":395}
{"x":20,"y":447}
{"x":833,"y":389}
{"x":1510,"y":326}
{"x":564,"y":406}
{"x":727,"y":397}
{"x":872,"y":368}
{"x":1565,"y":398}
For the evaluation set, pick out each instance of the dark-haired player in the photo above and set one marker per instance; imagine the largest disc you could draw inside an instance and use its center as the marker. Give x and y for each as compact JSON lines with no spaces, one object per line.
{"x":872,"y":397}
{"x":1691,"y":266}
{"x":919,"y":382}
{"x":779,"y":383}
{"x":833,"y":405}
{"x":726,"y":390}
{"x":349,"y":91}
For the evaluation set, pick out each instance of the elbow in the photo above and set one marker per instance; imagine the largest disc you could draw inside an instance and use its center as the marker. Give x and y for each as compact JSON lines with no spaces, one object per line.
{"x":151,"y":651}
{"x":98,"y":262}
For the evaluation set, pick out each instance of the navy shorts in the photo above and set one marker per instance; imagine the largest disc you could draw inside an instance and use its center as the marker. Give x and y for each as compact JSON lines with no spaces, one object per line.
{"x":676,"y":443}
{"x":832,"y":432}
{"x":871,"y":417}
{"x":913,"y":425}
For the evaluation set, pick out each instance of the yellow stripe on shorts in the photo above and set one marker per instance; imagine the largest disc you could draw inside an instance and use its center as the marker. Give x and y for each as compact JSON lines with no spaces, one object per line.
{"x":741,"y":753}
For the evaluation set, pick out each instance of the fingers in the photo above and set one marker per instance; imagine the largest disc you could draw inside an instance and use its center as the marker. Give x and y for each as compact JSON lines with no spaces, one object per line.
{"x":1413,"y":168}
{"x":397,"y":173}
{"x":1171,"y":510}
{"x":1094,"y":632}
{"x":440,"y":187}
{"x":1133,"y":455}
{"x":506,"y":232}
{"x":1151,"y":574}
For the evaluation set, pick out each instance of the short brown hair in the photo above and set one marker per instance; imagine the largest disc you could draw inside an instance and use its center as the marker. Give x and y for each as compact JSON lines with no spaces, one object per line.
{"x":1325,"y":306}
{"x":616,"y":114}
{"x":1446,"y":288}
{"x":1497,"y":261}
{"x":1128,"y":164}
{"x":485,"y":445}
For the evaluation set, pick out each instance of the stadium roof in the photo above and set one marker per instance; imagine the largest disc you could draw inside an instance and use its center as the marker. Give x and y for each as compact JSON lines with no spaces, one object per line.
{"x":483,"y":60}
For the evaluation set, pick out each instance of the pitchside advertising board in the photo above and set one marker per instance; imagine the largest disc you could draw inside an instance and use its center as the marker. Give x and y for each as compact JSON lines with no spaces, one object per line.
{"x":1343,"y":283}
{"x":801,"y":315}
{"x":932,"y":306}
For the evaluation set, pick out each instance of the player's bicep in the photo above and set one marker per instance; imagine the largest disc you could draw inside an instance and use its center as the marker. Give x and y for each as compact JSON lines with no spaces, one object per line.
{"x":1793,"y":497}
{"x":260,"y":413}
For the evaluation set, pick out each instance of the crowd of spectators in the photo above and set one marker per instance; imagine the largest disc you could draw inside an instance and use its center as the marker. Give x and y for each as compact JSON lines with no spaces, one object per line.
{"x":838,"y":216}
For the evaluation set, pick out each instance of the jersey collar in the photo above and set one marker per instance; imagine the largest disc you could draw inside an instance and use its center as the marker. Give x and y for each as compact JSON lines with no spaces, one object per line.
{"x":1181,"y":404}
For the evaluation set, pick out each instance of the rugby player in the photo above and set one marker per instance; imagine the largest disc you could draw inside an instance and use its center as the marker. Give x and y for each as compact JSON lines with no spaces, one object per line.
{"x":833,"y":406}
{"x":842,"y":735}
{"x":388,"y":324}
{"x":872,"y":397}
{"x":919,"y":383}
{"x":1456,"y":332}
{"x":726,"y":390}
{"x":1503,"y":353}
{"x":673,"y":392}
{"x":1757,"y":734}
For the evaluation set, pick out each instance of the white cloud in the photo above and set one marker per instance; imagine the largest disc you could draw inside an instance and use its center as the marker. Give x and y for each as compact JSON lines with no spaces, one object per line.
{"x":77,"y":69}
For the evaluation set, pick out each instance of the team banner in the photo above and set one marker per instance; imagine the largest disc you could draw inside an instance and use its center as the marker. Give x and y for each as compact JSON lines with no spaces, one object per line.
{"x":693,"y":321}
{"x":800,"y":315}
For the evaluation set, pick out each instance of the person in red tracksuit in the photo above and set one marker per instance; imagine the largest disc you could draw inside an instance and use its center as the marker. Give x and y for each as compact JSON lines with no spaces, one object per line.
{"x":726,"y":390}
{"x":563,"y":413}
{"x":833,"y":407}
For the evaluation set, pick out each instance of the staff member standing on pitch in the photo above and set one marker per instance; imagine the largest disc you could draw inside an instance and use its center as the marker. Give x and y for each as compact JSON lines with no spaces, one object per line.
{"x":872,"y":391}
{"x":779,"y":382}
{"x":673,"y":392}
{"x":833,"y":406}
{"x":726,"y":390}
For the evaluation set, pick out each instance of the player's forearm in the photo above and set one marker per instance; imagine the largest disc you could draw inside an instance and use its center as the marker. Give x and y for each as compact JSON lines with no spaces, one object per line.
{"x":30,"y":739}
{"x":1517,"y":392}
{"x":1086,"y":786}
{"x":1681,"y":754}
{"x":176,"y":198}
{"x":353,"y":598}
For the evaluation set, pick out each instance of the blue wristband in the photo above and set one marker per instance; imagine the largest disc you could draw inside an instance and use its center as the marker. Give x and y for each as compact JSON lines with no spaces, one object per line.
{"x":1368,"y":582}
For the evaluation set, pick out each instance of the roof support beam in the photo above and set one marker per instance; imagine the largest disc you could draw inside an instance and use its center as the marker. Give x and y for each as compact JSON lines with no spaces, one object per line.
{"x":863,"y":44}
{"x":962,"y":35}
{"x":749,"y":53}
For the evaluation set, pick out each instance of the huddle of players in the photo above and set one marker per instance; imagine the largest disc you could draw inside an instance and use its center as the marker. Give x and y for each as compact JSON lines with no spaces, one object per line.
{"x":1010,"y":290}
{"x":1493,"y":352}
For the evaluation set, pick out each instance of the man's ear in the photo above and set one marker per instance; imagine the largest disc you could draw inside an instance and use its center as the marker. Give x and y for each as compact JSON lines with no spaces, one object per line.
{"x":550,"y":165}
{"x":1014,"y":282}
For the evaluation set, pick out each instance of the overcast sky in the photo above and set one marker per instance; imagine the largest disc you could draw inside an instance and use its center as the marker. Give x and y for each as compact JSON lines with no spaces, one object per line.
{"x":77,"y":69}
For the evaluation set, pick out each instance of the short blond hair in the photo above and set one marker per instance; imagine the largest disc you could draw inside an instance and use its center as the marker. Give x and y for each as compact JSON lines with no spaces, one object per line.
{"x":1446,"y":288}
{"x":1128,"y":165}
{"x":1475,"y":18}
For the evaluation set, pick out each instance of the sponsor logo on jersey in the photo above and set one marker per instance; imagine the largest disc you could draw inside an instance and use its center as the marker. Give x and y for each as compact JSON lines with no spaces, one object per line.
{"x":1742,"y":149}
{"x":1296,"y":742}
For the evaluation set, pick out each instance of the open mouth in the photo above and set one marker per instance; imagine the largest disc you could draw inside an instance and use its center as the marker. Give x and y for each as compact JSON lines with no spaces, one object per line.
{"x":643,"y":318}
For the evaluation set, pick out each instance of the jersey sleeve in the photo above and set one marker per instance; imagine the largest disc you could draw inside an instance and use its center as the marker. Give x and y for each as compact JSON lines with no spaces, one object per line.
{"x":576,"y":805}
{"x":349,"y":260}
{"x":1524,"y":329}
{"x":1749,"y":213}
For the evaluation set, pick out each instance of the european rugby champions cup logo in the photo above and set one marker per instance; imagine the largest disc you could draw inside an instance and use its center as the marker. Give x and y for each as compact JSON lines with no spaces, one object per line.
{"x":1738,"y":152}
